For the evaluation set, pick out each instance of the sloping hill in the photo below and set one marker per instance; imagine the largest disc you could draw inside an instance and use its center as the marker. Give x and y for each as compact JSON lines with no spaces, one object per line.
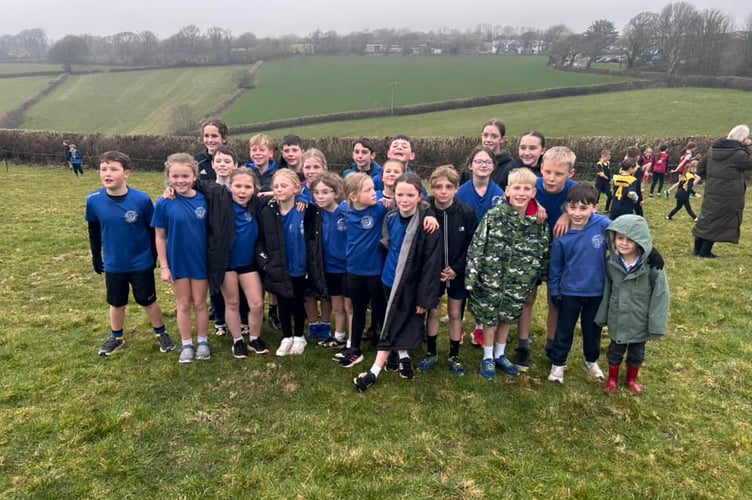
{"x":14,"y":91}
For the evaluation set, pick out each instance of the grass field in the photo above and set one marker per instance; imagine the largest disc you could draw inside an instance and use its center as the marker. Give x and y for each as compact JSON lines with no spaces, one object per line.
{"x":314,"y":85}
{"x":130,"y":103}
{"x":6,"y":68}
{"x":656,"y":112}
{"x":139,"y":425}
{"x":14,"y":91}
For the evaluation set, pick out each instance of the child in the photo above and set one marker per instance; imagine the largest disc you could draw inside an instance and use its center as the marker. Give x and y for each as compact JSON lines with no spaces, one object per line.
{"x":480,"y":193}
{"x":457,"y":223}
{"x":557,"y":170}
{"x":410,"y":277}
{"x":292,"y":153}
{"x":288,"y":251}
{"x":660,"y":165}
{"x":625,"y":190}
{"x":328,"y":192}
{"x":118,"y":217}
{"x":603,"y":178}
{"x":492,"y":137}
{"x":67,"y":155}
{"x":401,"y":148}
{"x":633,"y":153}
{"x":530,"y":153}
{"x":689,"y":152}
{"x":646,"y":164}
{"x":313,"y":164}
{"x":261,"y":148}
{"x":76,"y":160}
{"x":214,"y":133}
{"x":364,"y":156}
{"x":576,"y":276}
{"x":685,"y":191}
{"x":508,"y":255}
{"x":224,"y":162}
{"x":635,"y":298}
{"x":181,"y":238}
{"x":390,"y":172}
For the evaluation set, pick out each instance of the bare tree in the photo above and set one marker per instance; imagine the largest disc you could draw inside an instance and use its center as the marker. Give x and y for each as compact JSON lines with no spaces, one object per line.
{"x":597,"y":38}
{"x":714,"y":31}
{"x":553,"y":43}
{"x":747,"y":46}
{"x":639,"y":38}
{"x":220,"y":40}
{"x":69,"y":50}
{"x":677,"y":26}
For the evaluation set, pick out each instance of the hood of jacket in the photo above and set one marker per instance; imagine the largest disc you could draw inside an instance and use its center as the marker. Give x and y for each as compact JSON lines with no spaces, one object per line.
{"x":723,"y":148}
{"x":633,"y":227}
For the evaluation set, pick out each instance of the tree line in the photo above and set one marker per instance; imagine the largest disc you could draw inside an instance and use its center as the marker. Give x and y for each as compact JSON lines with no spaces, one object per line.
{"x":679,"y":39}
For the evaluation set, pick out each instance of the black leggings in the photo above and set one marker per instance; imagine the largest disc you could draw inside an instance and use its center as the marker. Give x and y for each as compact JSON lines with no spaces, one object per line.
{"x":361,"y":289}
{"x":293,"y":307}
{"x":657,"y":179}
{"x":679,"y":205}
{"x":609,"y":196}
{"x":635,"y":353}
{"x":218,"y":303}
{"x":78,"y":168}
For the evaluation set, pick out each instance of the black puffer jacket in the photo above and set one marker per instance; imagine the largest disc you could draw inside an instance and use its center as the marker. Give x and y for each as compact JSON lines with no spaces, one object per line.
{"x":271,"y":251}
{"x":723,"y":169}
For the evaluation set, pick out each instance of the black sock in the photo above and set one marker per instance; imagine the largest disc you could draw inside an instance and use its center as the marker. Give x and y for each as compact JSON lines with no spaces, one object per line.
{"x":273,"y":310}
{"x":431,"y":345}
{"x":454,"y":348}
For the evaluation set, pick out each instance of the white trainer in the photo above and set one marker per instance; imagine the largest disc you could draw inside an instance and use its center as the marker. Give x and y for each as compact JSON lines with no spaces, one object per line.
{"x":298,"y":345}
{"x":284,"y":347}
{"x":556,"y":374}
{"x":594,"y":370}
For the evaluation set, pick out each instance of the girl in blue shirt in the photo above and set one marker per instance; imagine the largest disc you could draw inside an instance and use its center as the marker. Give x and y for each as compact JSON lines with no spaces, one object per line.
{"x":181,"y":238}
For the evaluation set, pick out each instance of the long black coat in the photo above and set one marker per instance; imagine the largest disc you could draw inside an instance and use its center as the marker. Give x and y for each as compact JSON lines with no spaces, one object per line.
{"x":723,"y":169}
{"x":419,"y":284}
{"x":271,"y":251}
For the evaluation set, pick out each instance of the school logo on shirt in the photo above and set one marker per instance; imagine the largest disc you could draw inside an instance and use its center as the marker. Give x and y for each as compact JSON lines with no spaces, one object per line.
{"x":461,"y":229}
{"x":598,"y":241}
{"x":131,"y":216}
{"x":341,"y":226}
{"x":496,"y":200}
{"x":248,"y":217}
{"x":366,"y":222}
{"x":200,"y":212}
{"x":302,"y":228}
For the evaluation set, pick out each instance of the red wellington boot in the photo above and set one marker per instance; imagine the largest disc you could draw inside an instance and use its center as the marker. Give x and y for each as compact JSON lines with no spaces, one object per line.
{"x":632,"y":384}
{"x":613,"y":378}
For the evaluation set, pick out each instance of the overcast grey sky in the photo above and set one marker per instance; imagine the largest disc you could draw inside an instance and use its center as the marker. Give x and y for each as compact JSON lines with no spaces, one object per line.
{"x":301,"y":17}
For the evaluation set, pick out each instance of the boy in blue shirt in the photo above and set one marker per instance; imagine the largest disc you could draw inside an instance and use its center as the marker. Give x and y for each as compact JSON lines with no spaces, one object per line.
{"x":575,"y":278}
{"x":119,"y":219}
{"x":364,"y":160}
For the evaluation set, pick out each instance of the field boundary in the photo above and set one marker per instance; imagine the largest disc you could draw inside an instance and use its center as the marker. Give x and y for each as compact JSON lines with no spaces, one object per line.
{"x":719,"y":82}
{"x":431,"y":107}
{"x":15,"y":117}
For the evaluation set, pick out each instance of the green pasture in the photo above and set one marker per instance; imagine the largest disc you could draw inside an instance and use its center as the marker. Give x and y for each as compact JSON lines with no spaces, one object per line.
{"x":8,"y":68}
{"x":303,"y":86}
{"x":130,"y":103}
{"x":653,"y":113}
{"x":139,"y":425}
{"x":15,"y":91}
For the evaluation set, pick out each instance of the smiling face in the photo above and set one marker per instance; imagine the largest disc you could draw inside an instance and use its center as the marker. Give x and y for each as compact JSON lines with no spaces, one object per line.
{"x":482,"y":164}
{"x":530,"y":150}
{"x":243,"y":186}
{"x":114,"y":177}
{"x":627,"y":248}
{"x":391,"y":172}
{"x":212,"y":138}
{"x":325,"y":196}
{"x":407,"y":197}
{"x":181,"y":177}
{"x":402,"y":150}
{"x":362,"y":156}
{"x":285,"y":188}
{"x":579,"y":213}
{"x":312,"y":168}
{"x":491,"y":138}
{"x":260,"y":154}
{"x":223,"y":165}
{"x":519,"y":195}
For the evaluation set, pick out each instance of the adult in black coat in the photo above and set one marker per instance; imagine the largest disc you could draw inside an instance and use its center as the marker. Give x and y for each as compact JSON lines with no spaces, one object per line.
{"x":723,"y":169}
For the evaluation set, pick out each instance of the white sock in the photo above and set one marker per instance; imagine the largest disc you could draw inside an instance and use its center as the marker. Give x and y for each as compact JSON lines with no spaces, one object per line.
{"x":203,"y":339}
{"x":403,"y":354}
{"x":253,"y":337}
{"x":487,"y":352}
{"x":340,"y":336}
{"x":375,"y":369}
{"x":187,"y":341}
{"x":499,"y":350}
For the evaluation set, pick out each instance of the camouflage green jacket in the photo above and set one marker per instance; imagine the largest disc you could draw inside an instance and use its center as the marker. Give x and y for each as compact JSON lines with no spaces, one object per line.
{"x":508,"y":256}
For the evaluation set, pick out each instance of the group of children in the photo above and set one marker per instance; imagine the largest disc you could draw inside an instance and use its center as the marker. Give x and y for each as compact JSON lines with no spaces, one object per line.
{"x":374,"y":238}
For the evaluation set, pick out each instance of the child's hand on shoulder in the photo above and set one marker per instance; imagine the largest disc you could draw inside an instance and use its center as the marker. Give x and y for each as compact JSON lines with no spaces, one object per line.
{"x":430,"y":224}
{"x":562,"y":226}
{"x":541,"y":216}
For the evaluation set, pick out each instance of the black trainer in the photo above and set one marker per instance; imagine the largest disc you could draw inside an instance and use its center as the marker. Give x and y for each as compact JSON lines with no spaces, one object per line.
{"x":165,"y":343}
{"x":364,"y":381}
{"x":240,"y":349}
{"x":274,"y":321}
{"x":406,"y":368}
{"x":522,"y":360}
{"x":392,"y":362}
{"x":110,"y":346}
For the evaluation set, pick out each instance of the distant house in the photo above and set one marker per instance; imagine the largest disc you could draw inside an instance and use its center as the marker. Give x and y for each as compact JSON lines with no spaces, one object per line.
{"x":375,"y":48}
{"x":395,"y":49}
{"x":305,"y":49}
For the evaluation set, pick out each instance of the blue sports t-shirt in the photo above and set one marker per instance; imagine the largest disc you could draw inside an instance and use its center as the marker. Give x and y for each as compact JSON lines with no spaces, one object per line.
{"x":124,"y":222}
{"x":295,"y":245}
{"x":363,"y":235}
{"x":184,"y":220}
{"x":553,"y":203}
{"x":481,"y":204}
{"x":243,"y":251}
{"x":396,"y":227}
{"x":335,"y":240}
{"x":305,"y":194}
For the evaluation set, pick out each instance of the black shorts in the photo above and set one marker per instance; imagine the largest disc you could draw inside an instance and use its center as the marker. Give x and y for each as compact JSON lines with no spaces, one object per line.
{"x":335,"y":284}
{"x":144,"y":288}
{"x":457,"y":292}
{"x":252,"y":268}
